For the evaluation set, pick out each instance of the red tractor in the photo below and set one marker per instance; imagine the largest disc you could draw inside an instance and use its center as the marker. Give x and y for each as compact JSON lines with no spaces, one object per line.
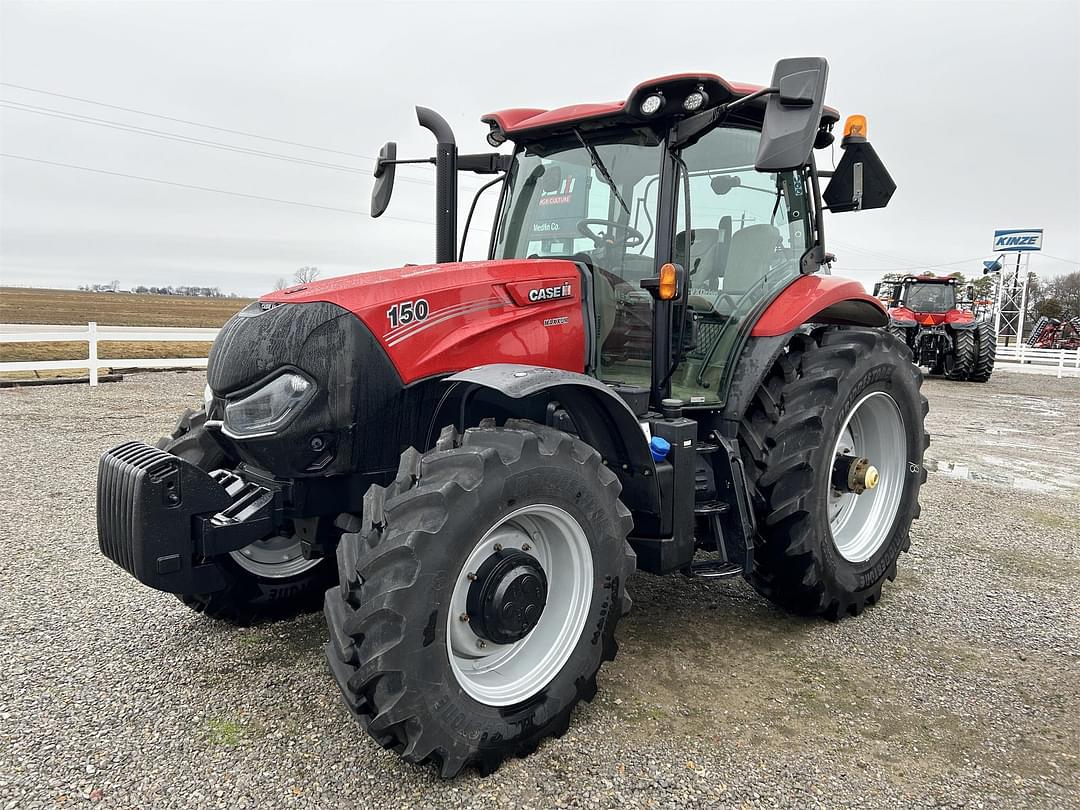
{"x":651,"y":370}
{"x":943,"y":333}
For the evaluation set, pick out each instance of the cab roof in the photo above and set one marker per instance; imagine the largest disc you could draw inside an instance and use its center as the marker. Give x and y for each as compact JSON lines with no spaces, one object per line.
{"x":525,"y":121}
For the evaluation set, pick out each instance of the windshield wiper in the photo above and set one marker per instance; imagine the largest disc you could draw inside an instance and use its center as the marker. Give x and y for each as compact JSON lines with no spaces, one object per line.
{"x":598,"y":164}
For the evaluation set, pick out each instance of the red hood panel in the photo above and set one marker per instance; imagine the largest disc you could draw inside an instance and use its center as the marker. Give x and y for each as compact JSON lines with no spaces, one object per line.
{"x":441,"y":318}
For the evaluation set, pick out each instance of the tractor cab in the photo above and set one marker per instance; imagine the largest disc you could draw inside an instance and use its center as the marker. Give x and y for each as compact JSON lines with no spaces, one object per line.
{"x":734,"y":235}
{"x":709,"y":182}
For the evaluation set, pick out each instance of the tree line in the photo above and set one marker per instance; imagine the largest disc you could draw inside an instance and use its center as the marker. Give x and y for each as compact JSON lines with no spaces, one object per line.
{"x":141,"y":289}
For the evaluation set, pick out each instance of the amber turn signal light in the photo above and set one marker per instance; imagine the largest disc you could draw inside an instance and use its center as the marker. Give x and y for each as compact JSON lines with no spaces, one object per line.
{"x":669,"y":283}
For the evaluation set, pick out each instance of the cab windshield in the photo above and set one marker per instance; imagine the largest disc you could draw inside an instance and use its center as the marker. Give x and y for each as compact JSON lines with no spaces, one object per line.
{"x":594,"y":198}
{"x":931,"y":297}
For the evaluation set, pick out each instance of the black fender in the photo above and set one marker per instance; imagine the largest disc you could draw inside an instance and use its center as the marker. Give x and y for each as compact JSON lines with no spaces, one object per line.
{"x":601,"y":418}
{"x":904,"y":322}
{"x":756,"y":359}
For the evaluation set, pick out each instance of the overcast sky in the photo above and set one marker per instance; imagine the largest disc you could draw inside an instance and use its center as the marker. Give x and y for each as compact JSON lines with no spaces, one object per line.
{"x":974,"y":107}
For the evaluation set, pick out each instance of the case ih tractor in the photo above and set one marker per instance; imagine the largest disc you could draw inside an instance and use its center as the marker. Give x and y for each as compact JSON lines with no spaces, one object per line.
{"x":653,"y":369}
{"x":942,"y":335}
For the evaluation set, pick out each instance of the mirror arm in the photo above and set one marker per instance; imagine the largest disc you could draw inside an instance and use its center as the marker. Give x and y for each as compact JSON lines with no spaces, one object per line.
{"x":689,"y":129}
{"x":487,"y":163}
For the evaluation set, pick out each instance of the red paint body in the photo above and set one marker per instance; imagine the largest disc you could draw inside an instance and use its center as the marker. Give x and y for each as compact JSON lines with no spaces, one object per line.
{"x":517,"y":120}
{"x":804,"y":298}
{"x":903,"y":314}
{"x":477,"y":313}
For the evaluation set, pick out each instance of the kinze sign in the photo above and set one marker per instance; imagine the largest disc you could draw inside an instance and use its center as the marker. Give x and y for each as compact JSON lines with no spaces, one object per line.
{"x":1017,"y":241}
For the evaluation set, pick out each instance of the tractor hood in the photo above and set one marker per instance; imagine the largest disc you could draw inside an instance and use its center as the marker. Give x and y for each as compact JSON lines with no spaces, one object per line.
{"x":442,"y":318}
{"x":373,"y":348}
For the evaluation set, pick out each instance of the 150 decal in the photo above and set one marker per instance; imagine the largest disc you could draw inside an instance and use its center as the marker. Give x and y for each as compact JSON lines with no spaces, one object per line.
{"x":405,"y":312}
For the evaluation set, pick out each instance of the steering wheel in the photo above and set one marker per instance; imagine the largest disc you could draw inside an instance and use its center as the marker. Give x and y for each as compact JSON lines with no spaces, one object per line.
{"x":632,"y":236}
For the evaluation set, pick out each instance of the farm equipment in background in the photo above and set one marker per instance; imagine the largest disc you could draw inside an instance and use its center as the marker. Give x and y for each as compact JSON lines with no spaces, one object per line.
{"x":653,"y":369}
{"x":1052,"y":333}
{"x":943,"y":332}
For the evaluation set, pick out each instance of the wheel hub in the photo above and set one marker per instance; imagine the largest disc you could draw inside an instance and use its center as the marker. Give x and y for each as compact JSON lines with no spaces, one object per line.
{"x":507,"y":598}
{"x":851,"y":474}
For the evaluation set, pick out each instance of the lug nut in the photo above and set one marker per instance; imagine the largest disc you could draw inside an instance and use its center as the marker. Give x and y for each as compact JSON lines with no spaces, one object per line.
{"x":498,"y":546}
{"x":464,"y":617}
{"x":481,"y":643}
{"x":470,"y":576}
{"x":525,"y":546}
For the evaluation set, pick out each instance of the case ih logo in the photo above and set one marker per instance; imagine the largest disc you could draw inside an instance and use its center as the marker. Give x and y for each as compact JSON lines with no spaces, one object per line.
{"x":1018,"y":241}
{"x":550,"y":293}
{"x":561,"y":196}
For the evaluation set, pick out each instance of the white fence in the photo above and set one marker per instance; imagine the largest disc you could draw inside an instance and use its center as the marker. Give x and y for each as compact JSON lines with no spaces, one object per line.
{"x":93,"y":334}
{"x":1066,"y":362}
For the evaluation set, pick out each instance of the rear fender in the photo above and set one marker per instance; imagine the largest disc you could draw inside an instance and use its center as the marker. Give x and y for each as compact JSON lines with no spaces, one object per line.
{"x":964,"y":325}
{"x":820,"y":299}
{"x":600,"y":416}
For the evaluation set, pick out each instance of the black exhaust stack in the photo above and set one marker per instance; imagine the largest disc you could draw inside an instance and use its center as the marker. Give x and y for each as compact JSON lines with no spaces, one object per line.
{"x":445,"y":184}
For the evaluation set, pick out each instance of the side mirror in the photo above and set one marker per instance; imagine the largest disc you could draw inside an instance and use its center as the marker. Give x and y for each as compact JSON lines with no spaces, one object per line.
{"x":860,"y":180}
{"x":384,"y":179}
{"x":793,"y":114}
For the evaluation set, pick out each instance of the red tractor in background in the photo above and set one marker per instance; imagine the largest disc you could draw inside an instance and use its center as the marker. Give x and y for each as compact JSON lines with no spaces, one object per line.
{"x":652,"y":369}
{"x":942,"y":332}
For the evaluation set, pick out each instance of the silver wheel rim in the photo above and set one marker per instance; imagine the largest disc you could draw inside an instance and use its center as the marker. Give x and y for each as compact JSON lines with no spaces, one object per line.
{"x":276,"y":557}
{"x":860,"y":524}
{"x":504,"y":674}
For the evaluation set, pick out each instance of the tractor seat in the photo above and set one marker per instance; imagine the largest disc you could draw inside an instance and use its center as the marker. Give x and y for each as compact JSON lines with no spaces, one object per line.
{"x":751,"y":254}
{"x":703,"y":247}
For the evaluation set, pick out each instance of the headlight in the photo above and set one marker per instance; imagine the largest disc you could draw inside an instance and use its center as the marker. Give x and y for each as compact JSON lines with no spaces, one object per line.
{"x":269,"y":408}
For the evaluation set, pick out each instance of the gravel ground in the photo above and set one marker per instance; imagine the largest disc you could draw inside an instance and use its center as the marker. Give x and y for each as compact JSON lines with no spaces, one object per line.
{"x":960,"y":688}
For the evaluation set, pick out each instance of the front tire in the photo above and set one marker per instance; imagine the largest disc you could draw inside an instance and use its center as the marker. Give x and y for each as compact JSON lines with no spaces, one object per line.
{"x":269,"y":579}
{"x":422,"y":664}
{"x":838,"y":392}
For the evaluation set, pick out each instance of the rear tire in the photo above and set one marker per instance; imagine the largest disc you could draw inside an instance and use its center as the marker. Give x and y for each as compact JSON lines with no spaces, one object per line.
{"x":898,"y":332}
{"x":249,"y":596}
{"x":412,"y":671}
{"x":961,"y":361}
{"x":789,"y":438}
{"x":986,"y":351}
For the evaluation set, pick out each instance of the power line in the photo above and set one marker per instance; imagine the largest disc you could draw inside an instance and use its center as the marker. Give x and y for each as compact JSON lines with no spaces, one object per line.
{"x":1058,"y":258}
{"x":154,"y":133}
{"x":874,"y":254}
{"x":202,"y":188}
{"x":186,"y":121}
{"x":214,"y":127}
{"x":215,"y":190}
